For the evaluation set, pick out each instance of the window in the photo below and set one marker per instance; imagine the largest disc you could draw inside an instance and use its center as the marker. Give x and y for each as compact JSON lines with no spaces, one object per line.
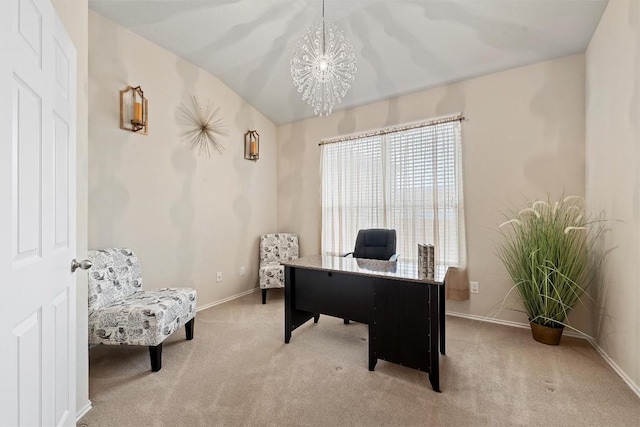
{"x":406,"y":178}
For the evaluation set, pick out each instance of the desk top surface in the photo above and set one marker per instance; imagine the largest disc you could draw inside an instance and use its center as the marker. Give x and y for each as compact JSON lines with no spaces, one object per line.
{"x":370,"y":267}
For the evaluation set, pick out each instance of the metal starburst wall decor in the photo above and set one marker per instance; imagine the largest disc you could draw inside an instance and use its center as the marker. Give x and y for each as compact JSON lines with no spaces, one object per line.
{"x":204,"y":126}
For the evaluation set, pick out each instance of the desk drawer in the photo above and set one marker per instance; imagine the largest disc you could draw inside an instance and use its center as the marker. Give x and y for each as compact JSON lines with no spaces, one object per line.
{"x":337,"y":294}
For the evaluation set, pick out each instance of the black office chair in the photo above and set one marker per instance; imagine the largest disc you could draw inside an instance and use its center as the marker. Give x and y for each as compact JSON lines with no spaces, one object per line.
{"x":375,"y":243}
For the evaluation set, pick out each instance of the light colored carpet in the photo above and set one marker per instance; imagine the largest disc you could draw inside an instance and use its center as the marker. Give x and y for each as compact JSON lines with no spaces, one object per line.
{"x":237,"y":371}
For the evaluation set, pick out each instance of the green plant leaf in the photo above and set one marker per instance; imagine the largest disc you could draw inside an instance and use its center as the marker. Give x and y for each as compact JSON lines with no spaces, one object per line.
{"x":545,"y":250}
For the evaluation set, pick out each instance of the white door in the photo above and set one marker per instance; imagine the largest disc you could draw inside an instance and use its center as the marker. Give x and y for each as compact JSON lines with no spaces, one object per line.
{"x":37,"y":216}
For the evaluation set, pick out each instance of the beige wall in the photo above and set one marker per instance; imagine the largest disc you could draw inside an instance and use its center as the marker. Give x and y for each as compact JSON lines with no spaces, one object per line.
{"x":613,"y":179}
{"x":73,"y":15}
{"x":185,"y":216}
{"x":524,"y":136}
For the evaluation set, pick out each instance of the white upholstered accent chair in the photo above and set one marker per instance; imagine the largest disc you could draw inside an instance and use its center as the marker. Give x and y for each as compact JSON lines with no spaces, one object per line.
{"x":122,"y":313}
{"x":274,"y":248}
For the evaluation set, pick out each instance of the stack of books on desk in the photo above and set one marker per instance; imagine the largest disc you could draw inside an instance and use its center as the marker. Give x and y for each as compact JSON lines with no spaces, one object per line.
{"x":426,"y":261}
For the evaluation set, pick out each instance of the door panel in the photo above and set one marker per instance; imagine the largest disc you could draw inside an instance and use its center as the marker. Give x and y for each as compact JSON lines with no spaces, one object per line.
{"x":62,"y":71}
{"x":28,"y":345}
{"x":61,"y":316}
{"x":29,"y":23}
{"x":27,"y":171}
{"x":61,"y":182}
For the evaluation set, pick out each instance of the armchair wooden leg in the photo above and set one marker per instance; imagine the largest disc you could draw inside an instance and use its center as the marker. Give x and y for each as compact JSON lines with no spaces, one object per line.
{"x":346,"y":321}
{"x":156,"y":357}
{"x":316,"y":318}
{"x":188,"y":327}
{"x":264,"y":296}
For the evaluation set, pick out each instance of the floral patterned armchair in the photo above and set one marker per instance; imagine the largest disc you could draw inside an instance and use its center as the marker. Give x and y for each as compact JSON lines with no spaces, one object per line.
{"x":275,"y":247}
{"x":122,"y":313}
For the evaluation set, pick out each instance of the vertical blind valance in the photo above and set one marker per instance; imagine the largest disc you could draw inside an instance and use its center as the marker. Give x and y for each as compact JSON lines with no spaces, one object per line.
{"x":408,"y":179}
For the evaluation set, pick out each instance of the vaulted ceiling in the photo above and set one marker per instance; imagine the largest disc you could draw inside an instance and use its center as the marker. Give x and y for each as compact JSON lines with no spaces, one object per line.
{"x":401,"y":46}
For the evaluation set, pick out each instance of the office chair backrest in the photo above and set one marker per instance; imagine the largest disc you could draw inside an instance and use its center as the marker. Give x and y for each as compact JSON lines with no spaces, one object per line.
{"x":375,"y":243}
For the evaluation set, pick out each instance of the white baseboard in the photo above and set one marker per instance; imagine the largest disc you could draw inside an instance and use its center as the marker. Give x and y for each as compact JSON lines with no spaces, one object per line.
{"x":232,"y":297}
{"x":83,"y":411}
{"x":634,"y":387}
{"x":488,"y":319}
{"x":566,"y":332}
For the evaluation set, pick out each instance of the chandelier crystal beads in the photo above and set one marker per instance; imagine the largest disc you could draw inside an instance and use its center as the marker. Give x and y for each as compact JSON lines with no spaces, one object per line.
{"x":323,"y":66}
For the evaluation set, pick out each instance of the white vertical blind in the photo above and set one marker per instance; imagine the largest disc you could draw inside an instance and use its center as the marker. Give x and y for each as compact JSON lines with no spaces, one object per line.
{"x":409,"y":180}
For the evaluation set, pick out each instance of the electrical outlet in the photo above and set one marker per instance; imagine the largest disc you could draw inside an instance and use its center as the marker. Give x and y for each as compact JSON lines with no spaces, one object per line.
{"x":474,"y":287}
{"x":243,"y":271}
{"x":219,"y":276}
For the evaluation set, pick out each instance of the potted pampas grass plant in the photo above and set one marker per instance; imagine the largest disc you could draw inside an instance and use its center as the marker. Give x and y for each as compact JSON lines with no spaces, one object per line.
{"x":546,"y":253}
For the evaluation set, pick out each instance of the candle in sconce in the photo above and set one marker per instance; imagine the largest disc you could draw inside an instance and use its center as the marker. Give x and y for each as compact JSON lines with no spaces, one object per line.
{"x":137,"y":112}
{"x":254,"y":148}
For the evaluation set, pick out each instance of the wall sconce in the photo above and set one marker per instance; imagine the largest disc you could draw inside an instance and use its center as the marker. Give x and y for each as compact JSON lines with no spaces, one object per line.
{"x":251,"y":145}
{"x":133,"y":110}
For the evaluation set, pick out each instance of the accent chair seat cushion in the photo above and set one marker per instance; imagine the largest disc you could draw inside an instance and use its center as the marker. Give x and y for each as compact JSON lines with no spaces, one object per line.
{"x":271,"y":275}
{"x":146,"y":317}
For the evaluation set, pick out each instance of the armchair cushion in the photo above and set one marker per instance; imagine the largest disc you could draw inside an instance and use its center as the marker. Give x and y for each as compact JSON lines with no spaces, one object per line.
{"x":271,"y":275}
{"x":147,"y":317}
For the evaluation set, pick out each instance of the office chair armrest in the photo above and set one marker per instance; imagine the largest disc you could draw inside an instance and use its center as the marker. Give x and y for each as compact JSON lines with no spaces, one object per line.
{"x":394,"y":257}
{"x":347,"y":254}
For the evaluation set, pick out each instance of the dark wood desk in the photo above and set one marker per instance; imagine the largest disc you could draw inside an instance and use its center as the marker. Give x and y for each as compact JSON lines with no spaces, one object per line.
{"x":405,"y":312}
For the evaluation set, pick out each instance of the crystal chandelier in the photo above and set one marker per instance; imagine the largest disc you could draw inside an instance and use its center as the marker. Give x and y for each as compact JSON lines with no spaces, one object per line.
{"x":323,"y":66}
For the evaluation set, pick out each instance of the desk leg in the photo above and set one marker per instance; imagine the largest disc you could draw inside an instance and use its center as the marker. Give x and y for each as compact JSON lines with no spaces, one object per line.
{"x":442,"y":316}
{"x":373,"y":359}
{"x":288,"y":276}
{"x":434,"y":378}
{"x":434,"y":355}
{"x":372,"y":362}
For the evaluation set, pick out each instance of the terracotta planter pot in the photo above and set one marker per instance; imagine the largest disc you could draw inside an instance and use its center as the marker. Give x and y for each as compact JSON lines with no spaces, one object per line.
{"x":546,"y":334}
